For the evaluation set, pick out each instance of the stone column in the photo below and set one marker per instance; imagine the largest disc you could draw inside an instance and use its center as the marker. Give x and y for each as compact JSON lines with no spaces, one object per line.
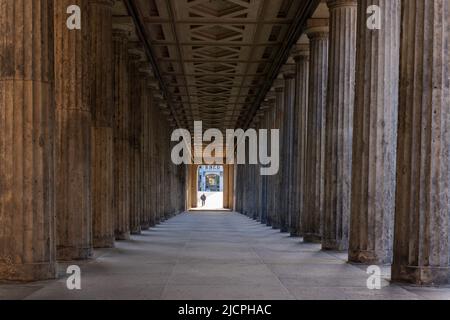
{"x":148,"y":160}
{"x":313,"y":183}
{"x":102,"y":117}
{"x":270,"y":179}
{"x":301,"y":57}
{"x":287,"y":189}
{"x":339,"y":124}
{"x":135,"y":126}
{"x":375,"y":135}
{"x":278,"y":212}
{"x":264,"y":203}
{"x":27,"y":234}
{"x":157,"y":157}
{"x":121,"y":137}
{"x":72,"y":136}
{"x":421,"y":240}
{"x":145,"y":210}
{"x":152,"y":139}
{"x":161,"y":163}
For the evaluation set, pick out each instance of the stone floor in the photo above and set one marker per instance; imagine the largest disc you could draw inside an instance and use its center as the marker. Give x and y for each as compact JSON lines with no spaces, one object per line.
{"x":218,"y":255}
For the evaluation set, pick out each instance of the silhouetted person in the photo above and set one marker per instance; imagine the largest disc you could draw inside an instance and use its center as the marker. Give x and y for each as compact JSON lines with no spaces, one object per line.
{"x":203,"y":198}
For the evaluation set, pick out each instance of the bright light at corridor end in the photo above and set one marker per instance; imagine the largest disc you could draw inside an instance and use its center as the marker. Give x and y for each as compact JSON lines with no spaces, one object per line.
{"x":239,"y":147}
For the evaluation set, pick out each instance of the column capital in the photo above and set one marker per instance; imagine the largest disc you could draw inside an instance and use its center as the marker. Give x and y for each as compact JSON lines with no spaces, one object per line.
{"x":136,"y":52}
{"x":134,"y":58}
{"x":300,"y":51}
{"x":120,"y":32}
{"x":317,"y":28}
{"x":278,"y":85}
{"x":270,"y":97}
{"x":153,"y":83}
{"x":288,"y":71}
{"x":108,"y":3}
{"x":159,"y":95}
{"x":144,"y":69}
{"x":333,"y":4}
{"x":265,"y":106}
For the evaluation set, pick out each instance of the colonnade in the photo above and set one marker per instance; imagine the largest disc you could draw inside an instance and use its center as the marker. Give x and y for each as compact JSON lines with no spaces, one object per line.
{"x":363,"y":115}
{"x":371,"y":172}
{"x":83,"y":137}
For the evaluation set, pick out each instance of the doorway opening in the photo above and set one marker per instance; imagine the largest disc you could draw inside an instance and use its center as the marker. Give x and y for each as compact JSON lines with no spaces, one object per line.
{"x":215,"y":181}
{"x":210,"y":188}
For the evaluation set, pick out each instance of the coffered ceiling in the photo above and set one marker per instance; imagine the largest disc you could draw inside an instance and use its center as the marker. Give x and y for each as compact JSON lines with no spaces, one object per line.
{"x":216,"y":59}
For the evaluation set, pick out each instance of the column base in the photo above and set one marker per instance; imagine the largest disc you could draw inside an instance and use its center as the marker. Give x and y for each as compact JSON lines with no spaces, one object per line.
{"x":28,"y":272}
{"x":145,"y":226}
{"x":263,"y":220}
{"x":334,"y":245}
{"x":104,"y":242}
{"x":284,"y":229}
{"x":369,"y":257}
{"x":73,"y":253}
{"x":424,"y":276}
{"x":122,"y":236}
{"x":136,"y":231}
{"x":312,"y":238}
{"x":295,"y":232}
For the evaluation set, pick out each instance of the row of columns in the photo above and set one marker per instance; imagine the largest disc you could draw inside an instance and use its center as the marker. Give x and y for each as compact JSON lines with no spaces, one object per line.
{"x":83,"y":153}
{"x":369,"y":154}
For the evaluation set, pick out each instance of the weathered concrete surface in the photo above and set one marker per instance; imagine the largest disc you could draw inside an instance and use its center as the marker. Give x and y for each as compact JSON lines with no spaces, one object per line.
{"x":218,"y":256}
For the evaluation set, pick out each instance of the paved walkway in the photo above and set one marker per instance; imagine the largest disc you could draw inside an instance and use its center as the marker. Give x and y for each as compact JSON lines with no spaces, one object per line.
{"x":221,"y":255}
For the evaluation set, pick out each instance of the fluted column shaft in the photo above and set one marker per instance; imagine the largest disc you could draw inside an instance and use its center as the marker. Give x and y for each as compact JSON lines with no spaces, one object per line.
{"x":145,"y":210}
{"x":121,"y":137}
{"x":273,"y":178}
{"x":160,"y":160}
{"x":153,"y":165}
{"x":287,"y":189}
{"x":135,"y":125}
{"x":148,"y":157}
{"x":157,"y":163}
{"x":339,"y":124}
{"x":102,"y":126}
{"x":278,"y":210}
{"x":375,"y":135}
{"x":264,"y":203}
{"x":27,"y":233}
{"x":72,"y":136}
{"x":313,"y":183}
{"x":421,"y":240}
{"x":301,"y":56}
